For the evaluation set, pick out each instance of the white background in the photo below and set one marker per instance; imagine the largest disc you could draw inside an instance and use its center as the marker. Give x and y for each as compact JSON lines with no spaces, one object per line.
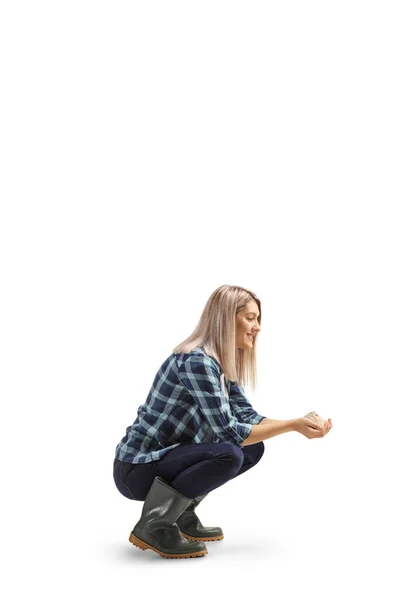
{"x":151,"y":152}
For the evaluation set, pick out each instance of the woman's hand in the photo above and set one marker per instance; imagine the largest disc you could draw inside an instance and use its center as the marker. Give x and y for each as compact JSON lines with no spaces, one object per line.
{"x":311,"y":429}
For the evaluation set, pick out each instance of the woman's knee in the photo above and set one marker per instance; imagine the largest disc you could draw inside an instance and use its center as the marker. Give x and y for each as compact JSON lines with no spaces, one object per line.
{"x":261,"y":449}
{"x":254,"y":452}
{"x":231,"y":453}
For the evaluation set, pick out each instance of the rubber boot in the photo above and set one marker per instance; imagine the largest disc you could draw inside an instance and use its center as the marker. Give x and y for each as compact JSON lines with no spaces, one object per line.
{"x":192,"y":528}
{"x":157,"y":529}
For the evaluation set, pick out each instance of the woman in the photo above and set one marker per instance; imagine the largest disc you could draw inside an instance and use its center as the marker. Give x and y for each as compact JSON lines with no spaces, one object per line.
{"x":197,"y":430}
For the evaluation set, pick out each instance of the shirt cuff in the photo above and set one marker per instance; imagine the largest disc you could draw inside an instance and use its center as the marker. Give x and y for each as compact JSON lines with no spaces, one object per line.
{"x":257,"y":420}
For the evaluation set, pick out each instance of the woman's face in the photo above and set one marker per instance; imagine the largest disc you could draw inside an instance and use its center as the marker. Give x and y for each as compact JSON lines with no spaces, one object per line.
{"x":247,"y":325}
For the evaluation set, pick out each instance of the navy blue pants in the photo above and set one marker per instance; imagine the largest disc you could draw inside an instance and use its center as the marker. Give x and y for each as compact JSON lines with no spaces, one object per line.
{"x":191,"y":469}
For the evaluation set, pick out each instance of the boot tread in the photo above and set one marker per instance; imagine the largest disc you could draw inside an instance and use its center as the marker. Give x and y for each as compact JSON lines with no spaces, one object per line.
{"x":143,"y":546}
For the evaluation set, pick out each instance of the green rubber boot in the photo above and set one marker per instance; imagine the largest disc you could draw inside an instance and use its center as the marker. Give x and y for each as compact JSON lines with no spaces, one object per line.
{"x":157,"y":528}
{"x":192,"y":528}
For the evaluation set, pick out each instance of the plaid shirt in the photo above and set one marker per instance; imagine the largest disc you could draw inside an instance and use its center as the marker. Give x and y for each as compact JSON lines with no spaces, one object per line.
{"x":189,"y":402}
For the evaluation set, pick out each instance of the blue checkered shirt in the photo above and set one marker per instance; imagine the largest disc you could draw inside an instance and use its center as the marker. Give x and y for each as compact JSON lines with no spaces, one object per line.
{"x":190,"y":402}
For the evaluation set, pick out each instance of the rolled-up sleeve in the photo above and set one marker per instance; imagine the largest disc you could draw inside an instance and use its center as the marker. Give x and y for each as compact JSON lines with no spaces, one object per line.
{"x":200,"y":376}
{"x":241,"y":407}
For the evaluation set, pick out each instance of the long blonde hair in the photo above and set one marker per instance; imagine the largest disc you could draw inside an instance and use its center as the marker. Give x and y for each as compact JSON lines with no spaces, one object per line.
{"x":216,"y":333}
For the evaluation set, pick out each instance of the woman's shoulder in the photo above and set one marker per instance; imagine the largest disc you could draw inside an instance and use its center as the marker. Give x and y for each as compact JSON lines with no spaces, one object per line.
{"x":197,"y":353}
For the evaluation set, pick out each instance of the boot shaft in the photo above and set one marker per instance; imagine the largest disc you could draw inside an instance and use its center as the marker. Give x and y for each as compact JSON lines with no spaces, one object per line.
{"x":163,"y":504}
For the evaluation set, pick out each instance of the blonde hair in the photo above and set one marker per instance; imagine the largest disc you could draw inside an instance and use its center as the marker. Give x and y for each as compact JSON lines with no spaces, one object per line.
{"x":216,"y":333}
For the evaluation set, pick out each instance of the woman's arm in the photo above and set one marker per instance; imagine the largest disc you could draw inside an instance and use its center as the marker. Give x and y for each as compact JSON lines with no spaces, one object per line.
{"x":243,"y":410}
{"x":265,"y":421}
{"x":268,"y":428}
{"x":202,"y":379}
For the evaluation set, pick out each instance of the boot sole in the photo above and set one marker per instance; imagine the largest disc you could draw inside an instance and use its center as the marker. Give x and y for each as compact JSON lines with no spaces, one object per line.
{"x":202,"y":539}
{"x":143,"y":546}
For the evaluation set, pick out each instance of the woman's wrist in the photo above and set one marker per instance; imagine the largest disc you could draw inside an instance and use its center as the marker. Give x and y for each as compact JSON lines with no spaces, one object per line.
{"x":292,"y":423}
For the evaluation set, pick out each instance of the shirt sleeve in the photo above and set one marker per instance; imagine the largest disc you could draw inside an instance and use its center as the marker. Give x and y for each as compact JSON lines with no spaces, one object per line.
{"x":201,"y":377}
{"x":241,"y":406}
